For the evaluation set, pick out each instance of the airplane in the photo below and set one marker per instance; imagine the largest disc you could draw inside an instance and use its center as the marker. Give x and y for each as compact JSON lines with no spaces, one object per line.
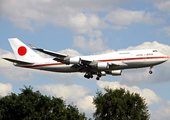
{"x":101,"y":65}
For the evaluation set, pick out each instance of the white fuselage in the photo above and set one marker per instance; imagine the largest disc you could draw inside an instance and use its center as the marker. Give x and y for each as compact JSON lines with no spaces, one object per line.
{"x":132,"y":59}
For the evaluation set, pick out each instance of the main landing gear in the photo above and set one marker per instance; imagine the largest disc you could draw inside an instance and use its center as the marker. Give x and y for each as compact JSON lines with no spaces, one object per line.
{"x":150,"y":71}
{"x":98,"y":77}
{"x":90,"y":75}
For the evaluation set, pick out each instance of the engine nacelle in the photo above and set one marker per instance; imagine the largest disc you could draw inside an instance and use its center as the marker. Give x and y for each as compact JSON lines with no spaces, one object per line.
{"x":115,"y":72}
{"x":75,"y":60}
{"x":102,"y":65}
{"x":103,"y":73}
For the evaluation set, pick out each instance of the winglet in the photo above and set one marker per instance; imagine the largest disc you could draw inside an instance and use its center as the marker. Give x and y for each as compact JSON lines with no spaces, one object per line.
{"x":33,"y":47}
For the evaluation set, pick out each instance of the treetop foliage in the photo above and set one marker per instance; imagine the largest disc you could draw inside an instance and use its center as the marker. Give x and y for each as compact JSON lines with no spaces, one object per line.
{"x":119,"y":104}
{"x":33,"y":105}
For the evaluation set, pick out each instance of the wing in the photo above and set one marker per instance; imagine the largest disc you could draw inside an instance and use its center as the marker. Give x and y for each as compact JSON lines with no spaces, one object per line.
{"x":54,"y":54}
{"x":59,"y":57}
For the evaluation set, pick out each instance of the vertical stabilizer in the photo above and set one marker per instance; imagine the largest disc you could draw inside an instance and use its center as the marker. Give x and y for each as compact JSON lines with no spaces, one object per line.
{"x":22,"y":51}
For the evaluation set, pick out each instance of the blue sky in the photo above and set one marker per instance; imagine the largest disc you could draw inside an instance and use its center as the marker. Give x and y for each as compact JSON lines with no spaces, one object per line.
{"x":88,"y":27}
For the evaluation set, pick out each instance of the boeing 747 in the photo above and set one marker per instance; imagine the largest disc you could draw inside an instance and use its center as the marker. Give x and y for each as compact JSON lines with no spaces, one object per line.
{"x":101,"y":65}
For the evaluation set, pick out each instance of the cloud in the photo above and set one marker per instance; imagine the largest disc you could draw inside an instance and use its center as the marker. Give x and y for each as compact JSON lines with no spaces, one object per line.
{"x":79,"y":95}
{"x":5,"y":89}
{"x":163,"y":5}
{"x":85,"y":24}
{"x":165,"y":29}
{"x":126,"y":17}
{"x":91,"y":45}
{"x":79,"y":16}
{"x":152,"y":45}
{"x":85,"y":104}
{"x":69,"y":93}
{"x":70,"y":52}
{"x":162,"y":113}
{"x":67,"y":13}
{"x":150,"y":96}
{"x":118,"y":27}
{"x":7,"y":68}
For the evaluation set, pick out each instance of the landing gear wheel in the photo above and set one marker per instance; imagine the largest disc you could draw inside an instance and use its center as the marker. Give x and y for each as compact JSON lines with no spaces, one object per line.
{"x":150,"y":72}
{"x":97,"y":78}
{"x":99,"y":75}
{"x":88,"y":76}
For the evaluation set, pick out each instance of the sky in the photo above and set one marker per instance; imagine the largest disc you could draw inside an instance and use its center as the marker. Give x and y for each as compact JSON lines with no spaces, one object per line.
{"x":88,"y":27}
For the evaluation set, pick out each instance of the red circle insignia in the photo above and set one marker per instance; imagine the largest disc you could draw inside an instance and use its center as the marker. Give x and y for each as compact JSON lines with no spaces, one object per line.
{"x":22,"y":51}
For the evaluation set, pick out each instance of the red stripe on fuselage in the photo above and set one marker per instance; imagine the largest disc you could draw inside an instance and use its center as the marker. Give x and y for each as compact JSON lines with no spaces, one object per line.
{"x":122,"y":59}
{"x":139,"y":58}
{"x":43,"y":65}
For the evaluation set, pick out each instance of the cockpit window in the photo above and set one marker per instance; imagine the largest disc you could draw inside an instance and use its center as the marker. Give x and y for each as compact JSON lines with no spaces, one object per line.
{"x":155,"y":51}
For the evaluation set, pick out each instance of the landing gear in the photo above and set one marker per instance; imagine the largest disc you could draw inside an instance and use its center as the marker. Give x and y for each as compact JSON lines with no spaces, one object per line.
{"x":150,"y":71}
{"x":98,"y":76}
{"x":88,"y":75}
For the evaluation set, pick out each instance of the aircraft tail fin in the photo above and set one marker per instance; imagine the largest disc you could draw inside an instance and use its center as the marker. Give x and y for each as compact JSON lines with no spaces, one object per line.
{"x":22,"y":51}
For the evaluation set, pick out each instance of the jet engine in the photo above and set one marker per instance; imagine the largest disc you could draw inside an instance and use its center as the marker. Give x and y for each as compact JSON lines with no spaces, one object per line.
{"x":103,"y":73}
{"x":75,"y":60}
{"x":102,"y":65}
{"x":115,"y":72}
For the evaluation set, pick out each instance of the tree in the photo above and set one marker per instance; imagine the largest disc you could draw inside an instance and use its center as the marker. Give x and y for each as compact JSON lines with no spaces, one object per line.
{"x":120,"y":104}
{"x":33,"y":105}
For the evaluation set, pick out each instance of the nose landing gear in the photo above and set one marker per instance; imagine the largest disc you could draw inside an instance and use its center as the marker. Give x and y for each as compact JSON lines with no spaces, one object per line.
{"x":150,"y":71}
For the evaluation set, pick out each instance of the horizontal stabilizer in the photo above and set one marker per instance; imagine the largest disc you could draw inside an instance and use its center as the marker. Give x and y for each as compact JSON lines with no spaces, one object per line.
{"x":17,"y":61}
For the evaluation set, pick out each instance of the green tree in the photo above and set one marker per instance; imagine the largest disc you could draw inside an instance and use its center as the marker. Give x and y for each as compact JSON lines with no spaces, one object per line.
{"x":29,"y":105}
{"x":120,"y":104}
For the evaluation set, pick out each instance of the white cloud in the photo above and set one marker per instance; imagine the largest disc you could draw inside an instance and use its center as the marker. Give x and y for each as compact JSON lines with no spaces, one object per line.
{"x":126,"y":17}
{"x":162,"y":113}
{"x":163,"y":5}
{"x":150,"y":96}
{"x":91,"y":45}
{"x":81,"y":16}
{"x":152,"y":45}
{"x":5,"y":89}
{"x":70,"y":52}
{"x":79,"y":95}
{"x":165,"y":29}
{"x":7,"y":68}
{"x":118,"y":27}
{"x":68,"y":13}
{"x":84,"y":24}
{"x":85,"y":104}
{"x":71,"y":93}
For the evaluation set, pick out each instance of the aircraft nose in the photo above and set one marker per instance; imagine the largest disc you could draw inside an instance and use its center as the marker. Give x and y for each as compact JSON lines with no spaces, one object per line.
{"x":167,"y":57}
